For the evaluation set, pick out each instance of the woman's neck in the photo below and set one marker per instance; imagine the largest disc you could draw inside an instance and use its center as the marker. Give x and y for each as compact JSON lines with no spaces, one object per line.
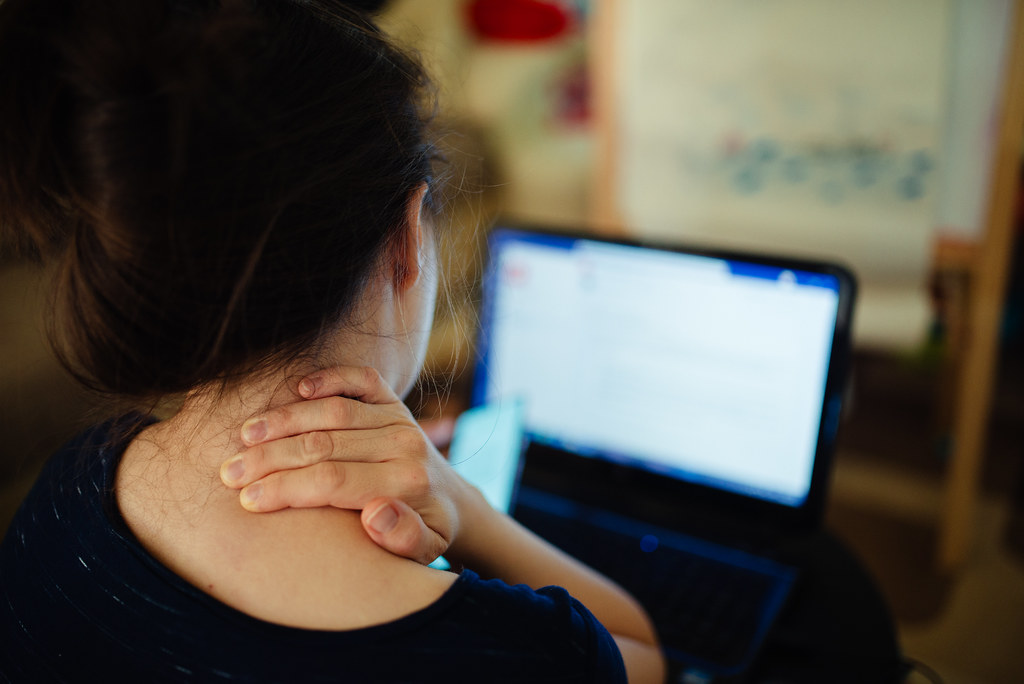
{"x":207,"y":429}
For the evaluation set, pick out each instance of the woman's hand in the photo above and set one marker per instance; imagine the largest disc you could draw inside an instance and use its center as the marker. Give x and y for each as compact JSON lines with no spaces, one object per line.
{"x":363,"y":450}
{"x":351,"y":444}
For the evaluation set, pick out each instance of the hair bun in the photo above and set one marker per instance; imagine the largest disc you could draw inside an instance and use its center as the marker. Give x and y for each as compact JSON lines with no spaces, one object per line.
{"x":215,"y":180}
{"x":90,"y":97}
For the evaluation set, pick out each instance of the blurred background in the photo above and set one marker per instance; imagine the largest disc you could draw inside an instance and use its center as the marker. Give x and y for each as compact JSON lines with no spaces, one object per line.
{"x":869,"y":133}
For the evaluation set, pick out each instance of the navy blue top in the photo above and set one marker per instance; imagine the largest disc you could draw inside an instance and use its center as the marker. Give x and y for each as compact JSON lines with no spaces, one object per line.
{"x":82,"y":600}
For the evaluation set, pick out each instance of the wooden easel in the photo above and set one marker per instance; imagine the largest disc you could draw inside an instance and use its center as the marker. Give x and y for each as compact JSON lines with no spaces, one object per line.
{"x":988,"y":267}
{"x":986,"y":264}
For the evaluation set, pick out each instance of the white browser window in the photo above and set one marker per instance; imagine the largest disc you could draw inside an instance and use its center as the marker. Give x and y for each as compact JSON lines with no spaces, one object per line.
{"x":694,"y":367}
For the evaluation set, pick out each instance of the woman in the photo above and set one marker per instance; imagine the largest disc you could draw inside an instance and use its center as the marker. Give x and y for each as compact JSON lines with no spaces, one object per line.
{"x":235,"y":199}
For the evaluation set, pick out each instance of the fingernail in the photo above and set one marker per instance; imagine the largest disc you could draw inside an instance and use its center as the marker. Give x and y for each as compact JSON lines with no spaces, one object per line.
{"x":254,"y":430}
{"x":383,"y":520}
{"x":307,"y":387}
{"x":251,"y":493}
{"x":234,"y":470}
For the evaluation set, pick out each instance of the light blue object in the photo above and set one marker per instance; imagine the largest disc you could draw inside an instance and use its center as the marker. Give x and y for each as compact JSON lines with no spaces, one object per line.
{"x":485,"y":451}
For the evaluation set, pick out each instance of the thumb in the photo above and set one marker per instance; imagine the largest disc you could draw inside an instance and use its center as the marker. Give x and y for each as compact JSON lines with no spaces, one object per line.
{"x":397,"y":528}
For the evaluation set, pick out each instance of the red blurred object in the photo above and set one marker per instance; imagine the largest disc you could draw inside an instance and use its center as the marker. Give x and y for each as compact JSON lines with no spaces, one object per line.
{"x":573,"y":98}
{"x":519,"y":20}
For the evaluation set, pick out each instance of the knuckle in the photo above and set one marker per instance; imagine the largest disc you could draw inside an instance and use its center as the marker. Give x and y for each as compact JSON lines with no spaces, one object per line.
{"x":406,"y":440}
{"x":371,"y":376}
{"x":314,"y":447}
{"x":413,"y":478}
{"x":338,"y":412}
{"x":328,"y":477}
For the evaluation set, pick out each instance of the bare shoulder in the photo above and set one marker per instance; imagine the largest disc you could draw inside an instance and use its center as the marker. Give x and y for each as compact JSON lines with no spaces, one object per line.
{"x":316,"y":568}
{"x":309,"y":568}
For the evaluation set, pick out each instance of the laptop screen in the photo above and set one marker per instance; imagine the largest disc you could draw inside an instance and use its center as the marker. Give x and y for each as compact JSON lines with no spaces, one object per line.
{"x":705,"y":369}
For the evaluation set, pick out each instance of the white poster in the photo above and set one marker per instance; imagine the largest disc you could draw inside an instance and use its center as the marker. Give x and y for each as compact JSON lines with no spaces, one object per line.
{"x":807,"y":127}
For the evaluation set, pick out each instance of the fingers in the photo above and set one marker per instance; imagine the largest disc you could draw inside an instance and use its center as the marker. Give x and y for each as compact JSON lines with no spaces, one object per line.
{"x":328,"y":413}
{"x":351,"y":444}
{"x":338,"y":484}
{"x":361,"y":383}
{"x":341,"y":485}
{"x":311,"y":448}
{"x":397,"y":528}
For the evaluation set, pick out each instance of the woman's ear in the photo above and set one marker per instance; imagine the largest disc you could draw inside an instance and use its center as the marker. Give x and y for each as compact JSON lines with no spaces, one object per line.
{"x":408,"y":249}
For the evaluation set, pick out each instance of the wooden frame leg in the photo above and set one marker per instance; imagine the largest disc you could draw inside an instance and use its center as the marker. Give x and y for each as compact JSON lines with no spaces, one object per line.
{"x":988,"y":286}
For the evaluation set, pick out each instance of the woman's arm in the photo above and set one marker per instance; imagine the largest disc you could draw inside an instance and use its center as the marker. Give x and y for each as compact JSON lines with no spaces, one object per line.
{"x":353,"y":444}
{"x":495,"y":545}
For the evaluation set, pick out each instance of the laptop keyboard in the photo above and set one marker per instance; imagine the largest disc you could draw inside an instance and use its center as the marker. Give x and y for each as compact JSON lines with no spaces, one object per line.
{"x":712,"y":605}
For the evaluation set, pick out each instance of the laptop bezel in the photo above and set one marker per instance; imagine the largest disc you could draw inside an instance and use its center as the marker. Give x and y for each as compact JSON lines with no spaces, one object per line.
{"x":658,"y":498}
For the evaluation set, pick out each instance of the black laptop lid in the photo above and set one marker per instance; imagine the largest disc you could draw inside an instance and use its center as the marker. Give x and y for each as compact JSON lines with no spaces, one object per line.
{"x":661,"y":381}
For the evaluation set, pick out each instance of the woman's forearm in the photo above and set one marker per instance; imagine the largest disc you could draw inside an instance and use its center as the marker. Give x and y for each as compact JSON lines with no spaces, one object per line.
{"x":495,"y":545}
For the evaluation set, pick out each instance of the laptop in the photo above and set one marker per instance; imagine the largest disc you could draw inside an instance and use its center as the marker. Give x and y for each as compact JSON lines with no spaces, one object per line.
{"x":680,"y":407}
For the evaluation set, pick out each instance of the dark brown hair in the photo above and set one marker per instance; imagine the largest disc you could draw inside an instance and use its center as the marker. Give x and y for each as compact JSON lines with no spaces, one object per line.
{"x":212,"y":181}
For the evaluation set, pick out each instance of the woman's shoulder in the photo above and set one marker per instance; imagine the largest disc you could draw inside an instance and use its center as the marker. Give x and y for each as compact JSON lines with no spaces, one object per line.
{"x":546,"y":619}
{"x":68,"y":496}
{"x":307,"y":568}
